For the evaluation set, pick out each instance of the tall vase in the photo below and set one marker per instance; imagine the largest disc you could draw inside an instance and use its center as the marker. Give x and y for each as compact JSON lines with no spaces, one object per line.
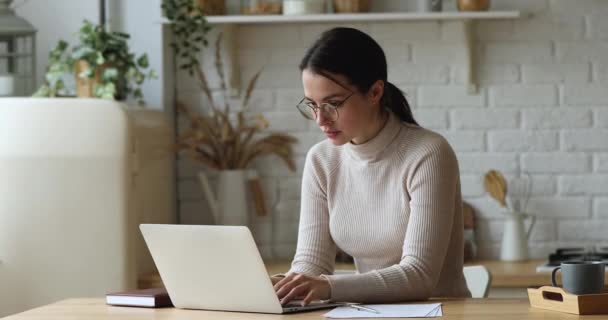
{"x":229,"y":204}
{"x":515,"y":237}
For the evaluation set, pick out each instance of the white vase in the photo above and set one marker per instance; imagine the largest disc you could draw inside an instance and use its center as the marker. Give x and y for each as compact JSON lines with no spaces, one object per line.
{"x":229,"y":204}
{"x":515,"y":237}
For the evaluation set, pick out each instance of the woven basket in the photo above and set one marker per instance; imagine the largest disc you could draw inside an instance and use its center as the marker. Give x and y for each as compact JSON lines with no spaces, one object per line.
{"x":212,"y":7}
{"x":344,"y":6}
{"x":85,"y":87}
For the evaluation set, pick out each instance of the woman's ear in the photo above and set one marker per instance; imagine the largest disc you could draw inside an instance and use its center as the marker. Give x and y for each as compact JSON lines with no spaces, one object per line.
{"x":376,"y":91}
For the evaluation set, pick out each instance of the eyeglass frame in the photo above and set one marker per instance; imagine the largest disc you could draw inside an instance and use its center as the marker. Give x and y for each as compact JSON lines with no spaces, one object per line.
{"x":315,"y":108}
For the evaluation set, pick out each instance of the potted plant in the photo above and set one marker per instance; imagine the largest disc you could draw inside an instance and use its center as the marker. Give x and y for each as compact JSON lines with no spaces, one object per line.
{"x":103,"y":65}
{"x":223,"y":138}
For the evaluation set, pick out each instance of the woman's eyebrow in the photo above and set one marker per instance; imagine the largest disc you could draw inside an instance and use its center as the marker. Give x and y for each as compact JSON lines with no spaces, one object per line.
{"x":333,"y":95}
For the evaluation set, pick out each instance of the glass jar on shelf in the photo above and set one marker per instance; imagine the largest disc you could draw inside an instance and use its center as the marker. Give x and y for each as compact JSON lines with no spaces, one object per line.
{"x":295,"y":7}
{"x":261,"y":6}
{"x":212,"y":7}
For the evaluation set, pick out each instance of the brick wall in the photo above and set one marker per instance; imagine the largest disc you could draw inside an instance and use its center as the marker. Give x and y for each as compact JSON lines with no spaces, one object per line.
{"x":542,"y":107}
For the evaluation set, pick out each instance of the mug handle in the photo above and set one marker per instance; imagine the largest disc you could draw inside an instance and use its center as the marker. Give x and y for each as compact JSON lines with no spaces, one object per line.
{"x":553,"y":274}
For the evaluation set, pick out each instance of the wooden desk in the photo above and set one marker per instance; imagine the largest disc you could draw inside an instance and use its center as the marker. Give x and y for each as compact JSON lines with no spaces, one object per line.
{"x":509,"y":279}
{"x":482,"y":309}
{"x":504,"y":274}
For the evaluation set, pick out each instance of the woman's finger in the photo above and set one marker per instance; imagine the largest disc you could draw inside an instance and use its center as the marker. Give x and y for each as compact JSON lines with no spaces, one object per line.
{"x":310,"y":297}
{"x":286,"y":288}
{"x":288,"y":277}
{"x":276,"y":279}
{"x":299,"y":290}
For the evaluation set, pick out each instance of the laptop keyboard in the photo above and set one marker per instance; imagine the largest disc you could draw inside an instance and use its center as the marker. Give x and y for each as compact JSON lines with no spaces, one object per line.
{"x":298,"y":304}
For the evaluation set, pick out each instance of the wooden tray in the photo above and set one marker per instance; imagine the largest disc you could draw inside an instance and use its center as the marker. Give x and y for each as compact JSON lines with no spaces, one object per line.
{"x":554,"y":298}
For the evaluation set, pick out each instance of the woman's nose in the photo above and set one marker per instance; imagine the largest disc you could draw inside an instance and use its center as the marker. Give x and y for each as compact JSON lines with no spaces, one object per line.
{"x":322,"y":118}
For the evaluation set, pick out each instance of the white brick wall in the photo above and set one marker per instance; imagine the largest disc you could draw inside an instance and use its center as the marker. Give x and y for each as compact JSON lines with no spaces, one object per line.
{"x":465,"y":140}
{"x":492,"y":74}
{"x":542,"y":108}
{"x":601,"y":162}
{"x":552,"y":72}
{"x":601,"y":118}
{"x":448,"y":96}
{"x":466,"y":118}
{"x":584,"y":184}
{"x":585,"y":140}
{"x":586,"y":94}
{"x":517,"y":52}
{"x":556,"y":118}
{"x":600,"y":208}
{"x":432,"y":118}
{"x":523,"y":96}
{"x":583,"y":230}
{"x":514,"y":140}
{"x":555,"y":162}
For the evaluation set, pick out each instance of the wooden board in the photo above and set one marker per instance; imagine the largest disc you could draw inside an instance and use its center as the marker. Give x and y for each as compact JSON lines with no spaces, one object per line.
{"x":556,"y":299}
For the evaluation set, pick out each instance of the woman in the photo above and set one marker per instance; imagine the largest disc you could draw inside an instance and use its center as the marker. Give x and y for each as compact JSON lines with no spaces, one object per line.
{"x":381,"y":188}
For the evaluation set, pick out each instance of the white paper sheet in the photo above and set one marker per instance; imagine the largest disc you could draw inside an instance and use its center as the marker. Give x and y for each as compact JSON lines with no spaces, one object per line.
{"x":428,"y":310}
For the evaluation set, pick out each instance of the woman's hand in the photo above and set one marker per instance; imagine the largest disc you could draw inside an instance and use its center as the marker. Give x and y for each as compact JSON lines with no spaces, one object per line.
{"x":297,"y":285}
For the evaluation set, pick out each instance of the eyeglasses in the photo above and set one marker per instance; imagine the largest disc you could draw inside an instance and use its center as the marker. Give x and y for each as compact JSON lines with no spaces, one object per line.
{"x":330,"y":109}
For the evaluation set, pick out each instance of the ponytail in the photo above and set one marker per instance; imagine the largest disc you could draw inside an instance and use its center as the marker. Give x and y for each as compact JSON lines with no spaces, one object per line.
{"x":394,"y":100}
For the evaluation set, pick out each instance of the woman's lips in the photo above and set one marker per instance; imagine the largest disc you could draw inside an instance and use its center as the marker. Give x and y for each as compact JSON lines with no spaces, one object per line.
{"x":332,"y":134}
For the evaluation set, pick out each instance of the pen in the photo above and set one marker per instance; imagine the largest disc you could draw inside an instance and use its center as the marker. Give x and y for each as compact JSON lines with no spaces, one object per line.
{"x":362,"y":308}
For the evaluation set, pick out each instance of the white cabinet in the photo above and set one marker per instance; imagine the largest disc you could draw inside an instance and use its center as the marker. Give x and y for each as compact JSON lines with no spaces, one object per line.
{"x":77,"y":176}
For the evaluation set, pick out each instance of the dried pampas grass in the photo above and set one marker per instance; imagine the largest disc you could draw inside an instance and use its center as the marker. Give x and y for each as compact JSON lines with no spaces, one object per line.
{"x":226,"y":140}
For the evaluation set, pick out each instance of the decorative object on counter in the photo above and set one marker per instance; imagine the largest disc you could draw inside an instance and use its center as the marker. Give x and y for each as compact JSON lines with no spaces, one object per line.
{"x":520,"y":190}
{"x":17,"y":52}
{"x":473,"y":5}
{"x":429,"y":5}
{"x":103,"y":65}
{"x":229,"y":204}
{"x":350,"y":6}
{"x":295,"y":7}
{"x":261,"y":6}
{"x":514,"y":245}
{"x":212,"y":7}
{"x":257,"y":193}
{"x":229,"y":140}
{"x":496,"y":185}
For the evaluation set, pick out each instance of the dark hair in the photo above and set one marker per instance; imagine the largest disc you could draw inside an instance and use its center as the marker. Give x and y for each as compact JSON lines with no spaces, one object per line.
{"x":358,"y":57}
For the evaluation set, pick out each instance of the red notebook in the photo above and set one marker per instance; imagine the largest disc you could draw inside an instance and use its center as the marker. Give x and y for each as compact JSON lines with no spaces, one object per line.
{"x":150,"y":298}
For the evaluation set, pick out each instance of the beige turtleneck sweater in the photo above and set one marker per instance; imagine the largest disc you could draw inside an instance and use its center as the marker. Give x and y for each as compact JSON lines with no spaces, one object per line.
{"x":394,"y":204}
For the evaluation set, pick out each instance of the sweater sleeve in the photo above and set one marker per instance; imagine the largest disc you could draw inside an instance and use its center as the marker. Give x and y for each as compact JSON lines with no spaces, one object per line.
{"x":316,"y":250}
{"x":432,"y":185}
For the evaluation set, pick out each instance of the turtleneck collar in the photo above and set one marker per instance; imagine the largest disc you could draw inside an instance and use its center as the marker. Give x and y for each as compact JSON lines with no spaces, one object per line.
{"x":372,"y":150}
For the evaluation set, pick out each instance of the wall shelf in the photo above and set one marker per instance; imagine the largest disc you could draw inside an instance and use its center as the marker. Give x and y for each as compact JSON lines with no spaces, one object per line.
{"x":362,"y":17}
{"x":228,"y":25}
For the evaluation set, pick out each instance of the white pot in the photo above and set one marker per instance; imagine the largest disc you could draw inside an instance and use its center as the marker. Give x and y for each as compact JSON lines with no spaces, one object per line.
{"x":229,"y":204}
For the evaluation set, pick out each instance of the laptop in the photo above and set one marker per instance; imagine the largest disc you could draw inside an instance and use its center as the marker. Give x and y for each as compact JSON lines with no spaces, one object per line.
{"x":215,"y":268}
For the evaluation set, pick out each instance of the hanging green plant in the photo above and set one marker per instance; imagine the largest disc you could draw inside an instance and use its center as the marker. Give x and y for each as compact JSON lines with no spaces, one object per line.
{"x":102,"y":63}
{"x":189,"y":26}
